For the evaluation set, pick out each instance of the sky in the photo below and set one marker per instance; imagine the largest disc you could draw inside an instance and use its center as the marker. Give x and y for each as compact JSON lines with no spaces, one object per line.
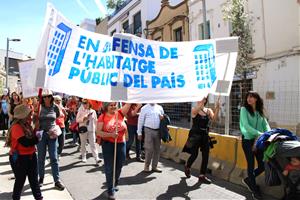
{"x":24,"y":19}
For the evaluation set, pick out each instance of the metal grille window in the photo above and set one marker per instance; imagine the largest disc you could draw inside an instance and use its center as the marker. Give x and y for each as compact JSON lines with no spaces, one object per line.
{"x":178,"y":34}
{"x":126,"y":27}
{"x":137,"y":23}
{"x":112,"y":33}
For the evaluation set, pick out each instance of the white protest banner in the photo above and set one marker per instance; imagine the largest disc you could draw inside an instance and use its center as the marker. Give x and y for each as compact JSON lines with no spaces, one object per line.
{"x":128,"y":68}
{"x":27,"y":85}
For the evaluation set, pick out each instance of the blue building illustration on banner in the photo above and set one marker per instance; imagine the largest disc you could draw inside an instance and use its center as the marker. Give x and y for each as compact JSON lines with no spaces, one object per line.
{"x":205,"y":65}
{"x":57,"y":48}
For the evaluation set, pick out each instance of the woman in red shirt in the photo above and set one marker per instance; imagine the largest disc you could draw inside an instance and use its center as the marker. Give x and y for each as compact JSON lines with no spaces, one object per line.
{"x":106,"y":128}
{"x":22,"y":156}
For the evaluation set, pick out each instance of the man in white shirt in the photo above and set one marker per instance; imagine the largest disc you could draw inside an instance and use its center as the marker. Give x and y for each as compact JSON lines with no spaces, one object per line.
{"x":149,"y":118}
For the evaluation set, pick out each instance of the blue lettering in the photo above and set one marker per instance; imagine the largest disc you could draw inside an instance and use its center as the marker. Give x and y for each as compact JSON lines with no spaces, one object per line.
{"x":155,"y":81}
{"x":75,"y":60}
{"x":133,"y":47}
{"x":86,"y":79}
{"x":163,"y":52}
{"x":90,"y":60}
{"x":126,"y":64}
{"x":151,"y":67}
{"x":109,"y":62}
{"x":141,"y":50}
{"x":143,"y":82}
{"x":95,"y":47}
{"x":125,"y":46}
{"x":119,"y":58}
{"x":137,"y":81}
{"x":180,"y":81}
{"x":81,"y":41}
{"x":113,"y":79}
{"x":174,"y":53}
{"x":149,"y":52}
{"x":116,"y":43}
{"x":142,"y":66}
{"x":165,"y":82}
{"x":101,"y":64}
{"x":96,"y":78}
{"x":73,"y":72}
{"x":127,"y":80}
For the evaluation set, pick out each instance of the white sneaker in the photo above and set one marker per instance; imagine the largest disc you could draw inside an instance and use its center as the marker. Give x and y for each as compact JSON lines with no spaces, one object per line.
{"x":83,"y":159}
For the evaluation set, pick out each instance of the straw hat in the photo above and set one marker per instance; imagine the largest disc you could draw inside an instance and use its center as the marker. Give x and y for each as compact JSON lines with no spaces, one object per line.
{"x":21,"y":111}
{"x":47,"y":92}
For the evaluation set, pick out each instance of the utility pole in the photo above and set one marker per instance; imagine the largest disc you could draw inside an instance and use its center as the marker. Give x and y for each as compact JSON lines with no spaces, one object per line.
{"x":204,"y":20}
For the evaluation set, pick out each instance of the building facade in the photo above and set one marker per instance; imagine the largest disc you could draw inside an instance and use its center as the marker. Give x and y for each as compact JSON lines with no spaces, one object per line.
{"x":13,"y":69}
{"x":132,"y":15}
{"x":170,"y":24}
{"x":276,"y":43}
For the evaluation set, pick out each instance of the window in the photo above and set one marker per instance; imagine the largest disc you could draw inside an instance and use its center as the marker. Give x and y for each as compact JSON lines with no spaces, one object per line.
{"x":178,"y":34}
{"x":112,"y":33}
{"x":137,"y":23}
{"x":125,"y":27}
{"x":201,"y":31}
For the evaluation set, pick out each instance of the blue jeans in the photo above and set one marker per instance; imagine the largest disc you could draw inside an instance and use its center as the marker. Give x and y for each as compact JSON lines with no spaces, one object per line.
{"x":249,"y":154}
{"x":61,"y":141}
{"x":108,"y":156}
{"x":133,"y":136}
{"x":52,"y":150}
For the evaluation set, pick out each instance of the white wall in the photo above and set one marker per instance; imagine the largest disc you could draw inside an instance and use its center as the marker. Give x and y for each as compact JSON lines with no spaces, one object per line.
{"x":275,"y":25}
{"x":88,"y":24}
{"x":149,"y":10}
{"x":218,"y":27}
{"x":275,"y":31}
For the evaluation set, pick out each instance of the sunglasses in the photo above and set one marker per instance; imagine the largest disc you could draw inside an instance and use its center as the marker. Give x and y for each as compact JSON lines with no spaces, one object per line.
{"x":48,"y":96}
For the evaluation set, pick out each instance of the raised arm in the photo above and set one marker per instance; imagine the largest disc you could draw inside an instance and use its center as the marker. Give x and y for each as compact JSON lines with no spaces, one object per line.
{"x":125,"y":108}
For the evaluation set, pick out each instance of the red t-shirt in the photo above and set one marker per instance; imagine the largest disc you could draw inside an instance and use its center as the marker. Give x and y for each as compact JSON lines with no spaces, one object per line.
{"x":132,"y":120}
{"x":109,"y":125}
{"x":60,"y":121}
{"x":96,"y":105}
{"x":16,"y":133}
{"x":290,"y":167}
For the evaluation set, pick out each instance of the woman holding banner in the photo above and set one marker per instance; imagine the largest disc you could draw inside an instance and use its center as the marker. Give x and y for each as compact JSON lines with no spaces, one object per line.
{"x":199,"y":138}
{"x":112,"y":128}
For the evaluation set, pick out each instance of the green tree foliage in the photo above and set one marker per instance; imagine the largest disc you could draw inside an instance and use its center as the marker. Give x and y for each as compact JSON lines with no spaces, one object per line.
{"x":114,"y":4}
{"x":98,"y":20}
{"x":234,"y":12}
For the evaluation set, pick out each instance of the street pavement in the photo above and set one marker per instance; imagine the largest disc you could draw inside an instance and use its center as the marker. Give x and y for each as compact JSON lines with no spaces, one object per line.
{"x":86,"y":181}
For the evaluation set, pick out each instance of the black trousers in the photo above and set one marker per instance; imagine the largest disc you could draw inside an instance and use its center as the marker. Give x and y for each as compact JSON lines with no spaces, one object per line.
{"x":249,"y":154}
{"x":204,"y":147}
{"x":25,"y":166}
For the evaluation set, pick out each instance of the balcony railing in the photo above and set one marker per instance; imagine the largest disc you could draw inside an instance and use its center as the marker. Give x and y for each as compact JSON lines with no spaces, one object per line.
{"x":119,"y":8}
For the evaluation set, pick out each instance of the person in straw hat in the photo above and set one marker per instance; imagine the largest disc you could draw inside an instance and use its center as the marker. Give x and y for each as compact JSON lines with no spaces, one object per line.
{"x":48,"y":114}
{"x":22,"y":155}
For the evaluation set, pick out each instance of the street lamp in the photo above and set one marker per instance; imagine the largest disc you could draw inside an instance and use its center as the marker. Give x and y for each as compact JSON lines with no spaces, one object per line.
{"x":7,"y":59}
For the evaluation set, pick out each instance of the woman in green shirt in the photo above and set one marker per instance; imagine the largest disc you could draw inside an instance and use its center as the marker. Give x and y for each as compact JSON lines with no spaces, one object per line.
{"x":253,"y":123}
